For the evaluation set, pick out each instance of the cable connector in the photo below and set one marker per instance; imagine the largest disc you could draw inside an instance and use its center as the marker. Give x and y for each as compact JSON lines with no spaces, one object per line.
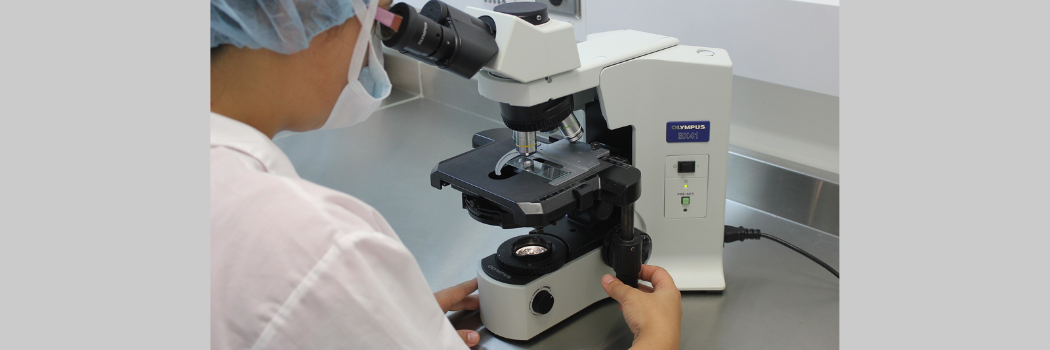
{"x":740,"y":233}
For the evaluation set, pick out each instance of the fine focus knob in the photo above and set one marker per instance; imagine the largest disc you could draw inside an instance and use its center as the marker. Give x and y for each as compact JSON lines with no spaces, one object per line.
{"x":532,"y":12}
{"x":542,"y":302}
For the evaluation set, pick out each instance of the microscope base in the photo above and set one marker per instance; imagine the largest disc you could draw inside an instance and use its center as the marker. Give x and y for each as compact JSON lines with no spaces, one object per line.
{"x":507,"y":310}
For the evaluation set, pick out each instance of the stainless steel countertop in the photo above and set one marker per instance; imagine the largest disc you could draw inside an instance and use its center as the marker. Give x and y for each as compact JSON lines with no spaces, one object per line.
{"x":774,"y":297}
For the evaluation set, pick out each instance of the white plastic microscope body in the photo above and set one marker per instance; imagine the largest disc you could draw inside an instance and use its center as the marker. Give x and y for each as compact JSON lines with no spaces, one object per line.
{"x":645,"y":81}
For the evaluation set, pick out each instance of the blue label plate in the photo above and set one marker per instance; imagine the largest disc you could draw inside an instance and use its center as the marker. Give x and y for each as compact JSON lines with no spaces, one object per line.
{"x":689,"y":131}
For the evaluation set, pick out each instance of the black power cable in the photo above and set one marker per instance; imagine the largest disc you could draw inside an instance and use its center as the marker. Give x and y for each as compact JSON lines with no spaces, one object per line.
{"x":740,"y":233}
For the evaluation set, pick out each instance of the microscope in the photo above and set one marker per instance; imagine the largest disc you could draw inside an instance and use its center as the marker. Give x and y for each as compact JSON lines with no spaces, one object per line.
{"x":655,"y":116}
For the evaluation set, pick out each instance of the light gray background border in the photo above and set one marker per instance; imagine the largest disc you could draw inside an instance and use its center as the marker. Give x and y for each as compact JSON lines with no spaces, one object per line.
{"x":105,"y":175}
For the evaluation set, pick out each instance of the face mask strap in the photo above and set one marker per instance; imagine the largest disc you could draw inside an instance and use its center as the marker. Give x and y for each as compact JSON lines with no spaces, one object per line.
{"x":365,"y":15}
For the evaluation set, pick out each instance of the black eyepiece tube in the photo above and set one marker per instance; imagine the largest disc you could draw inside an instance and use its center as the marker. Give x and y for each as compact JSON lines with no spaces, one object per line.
{"x":443,"y":36}
{"x":418,"y":35}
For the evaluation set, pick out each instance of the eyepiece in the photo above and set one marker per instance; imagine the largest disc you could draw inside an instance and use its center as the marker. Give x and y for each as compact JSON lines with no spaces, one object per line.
{"x":418,"y":35}
{"x":443,"y":36}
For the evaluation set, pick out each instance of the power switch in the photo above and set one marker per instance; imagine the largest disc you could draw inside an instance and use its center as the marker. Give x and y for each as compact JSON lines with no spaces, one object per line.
{"x":687,"y":167}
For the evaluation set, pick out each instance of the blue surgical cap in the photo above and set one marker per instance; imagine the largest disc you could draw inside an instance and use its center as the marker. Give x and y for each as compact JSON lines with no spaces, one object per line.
{"x":283,"y":26}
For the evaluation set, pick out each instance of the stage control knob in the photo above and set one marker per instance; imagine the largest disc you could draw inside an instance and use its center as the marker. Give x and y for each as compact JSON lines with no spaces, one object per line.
{"x":542,"y":302}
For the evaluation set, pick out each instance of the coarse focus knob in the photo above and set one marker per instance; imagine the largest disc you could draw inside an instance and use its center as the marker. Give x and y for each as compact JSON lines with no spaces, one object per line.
{"x":542,"y":302}
{"x":532,"y":12}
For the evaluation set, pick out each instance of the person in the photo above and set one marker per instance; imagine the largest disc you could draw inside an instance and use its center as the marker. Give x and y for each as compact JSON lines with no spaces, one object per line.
{"x":295,"y":265}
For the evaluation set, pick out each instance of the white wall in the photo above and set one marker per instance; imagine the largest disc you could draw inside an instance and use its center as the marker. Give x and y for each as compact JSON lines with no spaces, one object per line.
{"x":785,"y":42}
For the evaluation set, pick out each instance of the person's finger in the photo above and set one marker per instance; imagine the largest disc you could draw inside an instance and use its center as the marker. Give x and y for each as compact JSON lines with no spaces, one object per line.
{"x":461,"y":290}
{"x":658,"y":276}
{"x":443,"y":301}
{"x":450,"y":296}
{"x":385,"y":4}
{"x":616,"y":289}
{"x":471,"y":302}
{"x":469,"y":337}
{"x":645,"y":288}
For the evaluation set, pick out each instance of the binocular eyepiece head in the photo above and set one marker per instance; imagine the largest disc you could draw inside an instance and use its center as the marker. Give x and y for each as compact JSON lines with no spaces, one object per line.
{"x":442,"y":36}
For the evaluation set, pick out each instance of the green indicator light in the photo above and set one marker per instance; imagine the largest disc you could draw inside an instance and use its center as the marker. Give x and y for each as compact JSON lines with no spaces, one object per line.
{"x":685,"y":200}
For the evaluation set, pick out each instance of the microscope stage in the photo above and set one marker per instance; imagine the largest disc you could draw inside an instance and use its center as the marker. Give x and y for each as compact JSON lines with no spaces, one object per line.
{"x":532,"y":200}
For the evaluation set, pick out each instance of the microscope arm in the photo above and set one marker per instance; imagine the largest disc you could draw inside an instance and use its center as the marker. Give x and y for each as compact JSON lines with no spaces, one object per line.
{"x":598,"y":52}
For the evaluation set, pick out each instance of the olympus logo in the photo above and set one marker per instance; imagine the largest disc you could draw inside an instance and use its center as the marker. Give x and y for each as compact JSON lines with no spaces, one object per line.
{"x":421,"y":37}
{"x":689,"y":127}
{"x":493,"y":268}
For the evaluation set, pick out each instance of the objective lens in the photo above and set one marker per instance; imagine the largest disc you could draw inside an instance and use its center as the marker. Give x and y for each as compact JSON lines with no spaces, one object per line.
{"x":570,"y":127}
{"x":525,"y":142}
{"x":530,"y":250}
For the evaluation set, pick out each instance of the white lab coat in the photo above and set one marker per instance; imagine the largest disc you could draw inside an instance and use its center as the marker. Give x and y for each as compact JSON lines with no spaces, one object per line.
{"x":295,"y":265}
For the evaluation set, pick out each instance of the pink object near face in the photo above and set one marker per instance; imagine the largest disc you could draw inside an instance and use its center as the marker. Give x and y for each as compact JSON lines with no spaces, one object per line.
{"x":388,"y":19}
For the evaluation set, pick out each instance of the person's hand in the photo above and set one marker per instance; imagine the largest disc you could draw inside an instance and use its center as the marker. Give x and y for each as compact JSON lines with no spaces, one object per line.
{"x":457,"y":298}
{"x":654,"y":314}
{"x":385,"y":4}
